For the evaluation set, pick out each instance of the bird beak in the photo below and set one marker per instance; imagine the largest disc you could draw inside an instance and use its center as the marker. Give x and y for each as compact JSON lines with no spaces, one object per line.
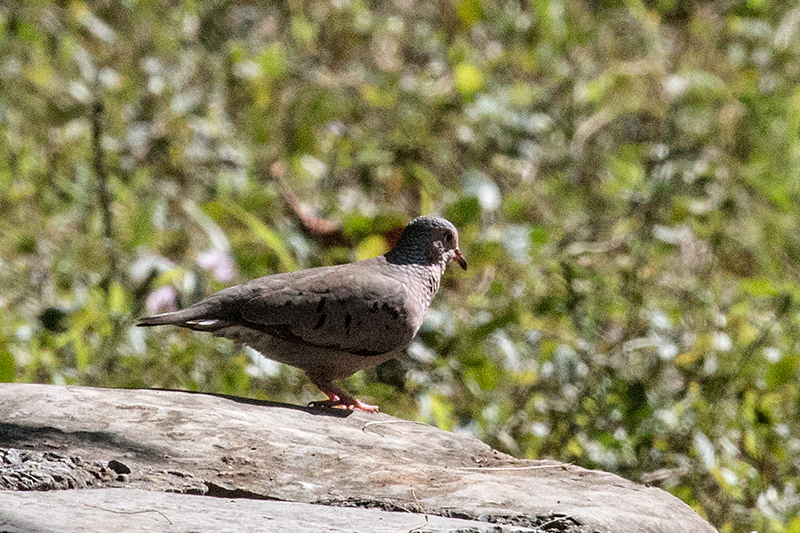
{"x":460,"y":259}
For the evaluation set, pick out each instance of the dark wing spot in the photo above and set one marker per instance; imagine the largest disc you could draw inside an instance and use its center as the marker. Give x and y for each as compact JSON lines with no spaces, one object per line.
{"x":348,"y":319}
{"x":282,"y":331}
{"x":391,"y":310}
{"x":321,"y":321}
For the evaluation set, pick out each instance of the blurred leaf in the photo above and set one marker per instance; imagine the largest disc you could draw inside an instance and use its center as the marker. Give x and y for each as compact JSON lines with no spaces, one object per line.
{"x":758,"y":287}
{"x":783,"y":372}
{"x":470,"y":11}
{"x":464,"y":211}
{"x":442,"y":412}
{"x":118,"y":299}
{"x":372,"y":246}
{"x":7,"y":366}
{"x":266,"y":235}
{"x":430,"y":183}
{"x":303,"y":31}
{"x":273,"y":61}
{"x":468,"y":79}
{"x":357,"y":225}
{"x":538,"y":235}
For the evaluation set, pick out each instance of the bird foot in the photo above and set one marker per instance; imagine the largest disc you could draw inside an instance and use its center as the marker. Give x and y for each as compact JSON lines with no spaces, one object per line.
{"x":344,"y":403}
{"x":337,"y":398}
{"x":340,"y":404}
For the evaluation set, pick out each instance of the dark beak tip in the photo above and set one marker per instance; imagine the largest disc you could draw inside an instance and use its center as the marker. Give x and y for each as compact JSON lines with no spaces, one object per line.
{"x":461,"y":261}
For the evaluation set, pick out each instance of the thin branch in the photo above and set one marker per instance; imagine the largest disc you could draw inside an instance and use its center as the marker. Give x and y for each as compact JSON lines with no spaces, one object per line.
{"x":103,"y":194}
{"x":130,"y":512}
{"x":313,"y":225}
{"x":311,"y":222}
{"x":421,"y":508}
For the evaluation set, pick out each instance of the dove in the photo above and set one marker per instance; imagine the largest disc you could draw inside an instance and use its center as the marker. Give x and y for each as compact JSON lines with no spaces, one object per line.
{"x":333,"y":321}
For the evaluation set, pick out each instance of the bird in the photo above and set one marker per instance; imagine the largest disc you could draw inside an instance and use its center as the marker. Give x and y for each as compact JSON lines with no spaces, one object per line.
{"x":333,"y":321}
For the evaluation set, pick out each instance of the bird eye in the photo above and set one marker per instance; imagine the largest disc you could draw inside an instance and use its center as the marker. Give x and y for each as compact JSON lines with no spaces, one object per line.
{"x":448,"y":237}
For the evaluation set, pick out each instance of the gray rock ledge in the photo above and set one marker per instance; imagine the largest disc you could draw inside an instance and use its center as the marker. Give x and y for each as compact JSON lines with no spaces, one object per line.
{"x":176,"y":461}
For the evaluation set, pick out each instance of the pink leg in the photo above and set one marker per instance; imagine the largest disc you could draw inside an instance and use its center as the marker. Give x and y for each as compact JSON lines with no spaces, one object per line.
{"x":338,"y":398}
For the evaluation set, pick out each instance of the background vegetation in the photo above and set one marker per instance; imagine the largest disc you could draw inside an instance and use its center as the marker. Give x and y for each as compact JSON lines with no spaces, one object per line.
{"x":624,"y":175}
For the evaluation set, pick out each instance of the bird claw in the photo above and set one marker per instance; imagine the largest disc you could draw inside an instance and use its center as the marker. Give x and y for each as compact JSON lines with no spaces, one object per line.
{"x":344,"y":403}
{"x":337,"y":398}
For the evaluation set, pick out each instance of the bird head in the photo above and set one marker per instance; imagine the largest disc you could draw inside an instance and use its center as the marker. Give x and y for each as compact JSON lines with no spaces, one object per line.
{"x":429,"y":240}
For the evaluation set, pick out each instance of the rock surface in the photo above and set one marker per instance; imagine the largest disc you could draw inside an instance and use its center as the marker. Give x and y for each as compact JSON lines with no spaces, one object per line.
{"x":272,"y":466}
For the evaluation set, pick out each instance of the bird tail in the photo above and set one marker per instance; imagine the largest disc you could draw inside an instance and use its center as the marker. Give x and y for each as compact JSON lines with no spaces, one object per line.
{"x":197,"y":318}
{"x":175,"y":317}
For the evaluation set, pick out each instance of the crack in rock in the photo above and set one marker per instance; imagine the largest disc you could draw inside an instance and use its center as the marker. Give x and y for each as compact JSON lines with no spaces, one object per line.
{"x":550,"y":523}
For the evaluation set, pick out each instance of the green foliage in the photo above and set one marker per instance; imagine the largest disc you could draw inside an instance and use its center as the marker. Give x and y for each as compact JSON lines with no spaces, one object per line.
{"x":624,"y":176}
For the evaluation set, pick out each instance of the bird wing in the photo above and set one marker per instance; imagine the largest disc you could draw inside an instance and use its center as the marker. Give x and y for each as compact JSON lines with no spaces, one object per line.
{"x":356,"y":310}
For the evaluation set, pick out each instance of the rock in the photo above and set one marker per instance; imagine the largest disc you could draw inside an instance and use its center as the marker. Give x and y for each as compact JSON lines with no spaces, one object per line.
{"x":270,"y":459}
{"x":141,"y":510}
{"x":118,"y":467}
{"x":34,"y":470}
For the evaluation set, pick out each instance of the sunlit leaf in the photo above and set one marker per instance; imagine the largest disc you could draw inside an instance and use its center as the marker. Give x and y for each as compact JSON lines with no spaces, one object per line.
{"x":372,"y":246}
{"x":468,"y":79}
{"x":7,"y":366}
{"x":470,"y":11}
{"x":265,"y":234}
